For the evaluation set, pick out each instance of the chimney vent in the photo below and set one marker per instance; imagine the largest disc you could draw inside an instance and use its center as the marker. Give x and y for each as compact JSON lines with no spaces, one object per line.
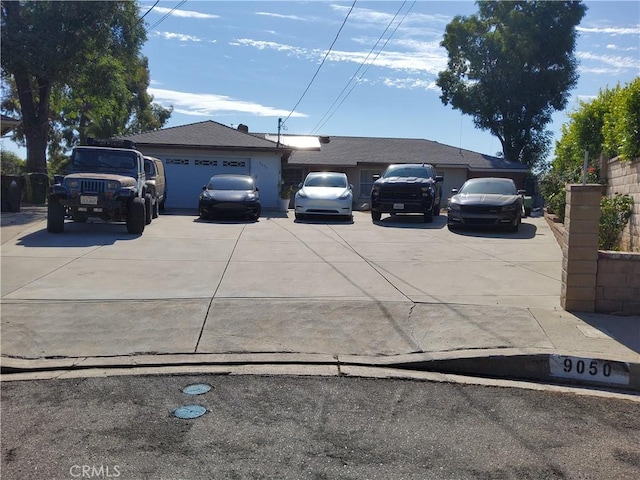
{"x":243,"y":128}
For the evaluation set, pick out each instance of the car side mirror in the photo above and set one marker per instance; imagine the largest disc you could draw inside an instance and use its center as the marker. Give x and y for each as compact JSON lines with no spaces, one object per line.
{"x":299,"y":185}
{"x":454,"y":191}
{"x":439,"y":178}
{"x":522,"y":192}
{"x":350,"y":187}
{"x":204,"y":187}
{"x":376,"y":177}
{"x":257,"y":189}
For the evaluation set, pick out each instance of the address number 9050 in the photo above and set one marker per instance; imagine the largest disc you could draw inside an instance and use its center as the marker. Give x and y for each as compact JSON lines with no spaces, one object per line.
{"x":589,"y":369}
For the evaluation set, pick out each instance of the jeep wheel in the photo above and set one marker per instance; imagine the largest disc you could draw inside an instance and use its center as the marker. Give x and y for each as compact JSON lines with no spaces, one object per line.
{"x":428,"y":216}
{"x":376,"y":216}
{"x":148,"y":213}
{"x":55,"y":217}
{"x":136,"y":216}
{"x":156,"y":209}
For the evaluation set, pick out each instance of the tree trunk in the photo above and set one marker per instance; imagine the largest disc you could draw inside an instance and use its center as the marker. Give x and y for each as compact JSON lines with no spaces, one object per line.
{"x":34,"y":106}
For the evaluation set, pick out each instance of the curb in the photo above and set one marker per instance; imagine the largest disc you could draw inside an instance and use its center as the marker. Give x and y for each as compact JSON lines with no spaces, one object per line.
{"x":518,"y":365}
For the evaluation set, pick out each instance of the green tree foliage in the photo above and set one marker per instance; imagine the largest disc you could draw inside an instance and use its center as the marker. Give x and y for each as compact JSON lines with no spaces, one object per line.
{"x":621,"y":126}
{"x":511,"y":66}
{"x":12,"y":163}
{"x":73,"y":64}
{"x":615,"y":213}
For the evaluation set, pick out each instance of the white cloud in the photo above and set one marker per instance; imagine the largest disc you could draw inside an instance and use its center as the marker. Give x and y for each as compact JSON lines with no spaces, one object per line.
{"x":410,"y":83}
{"x":264,"y":45}
{"x":277,"y":15}
{"x":428,"y":57}
{"x":621,"y":49}
{"x":184,"y":13}
{"x":612,"y":60}
{"x":611,"y":30}
{"x":177,"y":36}
{"x":209,"y":105}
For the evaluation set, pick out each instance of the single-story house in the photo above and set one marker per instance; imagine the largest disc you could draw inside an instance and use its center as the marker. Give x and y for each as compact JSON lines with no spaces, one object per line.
{"x":193,"y":153}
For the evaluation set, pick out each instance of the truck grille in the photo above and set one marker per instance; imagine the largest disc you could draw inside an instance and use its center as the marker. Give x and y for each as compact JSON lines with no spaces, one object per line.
{"x":401,"y":192}
{"x":93,"y":186}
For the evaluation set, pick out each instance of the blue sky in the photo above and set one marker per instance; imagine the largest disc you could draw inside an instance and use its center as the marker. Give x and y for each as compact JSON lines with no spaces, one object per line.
{"x":251,"y":62}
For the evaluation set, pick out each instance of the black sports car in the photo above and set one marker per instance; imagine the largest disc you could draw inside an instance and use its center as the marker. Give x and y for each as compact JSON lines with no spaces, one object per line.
{"x":230,"y":194}
{"x":492,"y":202}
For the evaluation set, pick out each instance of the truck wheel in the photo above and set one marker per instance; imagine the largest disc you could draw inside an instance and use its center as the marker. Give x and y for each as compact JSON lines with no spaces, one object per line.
{"x":376,"y":216}
{"x":147,"y":209}
{"x":55,"y":217}
{"x":436,"y":210}
{"x":428,"y":216}
{"x":136,"y":216}
{"x":156,"y":208}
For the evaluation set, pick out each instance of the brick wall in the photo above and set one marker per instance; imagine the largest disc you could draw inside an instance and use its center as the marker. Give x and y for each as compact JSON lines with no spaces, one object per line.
{"x":624,"y":178}
{"x":618,"y":283}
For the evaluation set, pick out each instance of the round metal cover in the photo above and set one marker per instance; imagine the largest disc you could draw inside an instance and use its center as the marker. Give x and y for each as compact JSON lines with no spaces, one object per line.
{"x":196,"y":389}
{"x":188,"y":412}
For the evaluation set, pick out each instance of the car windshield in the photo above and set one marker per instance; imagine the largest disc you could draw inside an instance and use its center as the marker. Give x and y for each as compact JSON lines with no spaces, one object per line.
{"x":97,"y":160}
{"x":489,"y":187}
{"x":230,"y":183}
{"x":408,"y":171}
{"x":326,"y":181}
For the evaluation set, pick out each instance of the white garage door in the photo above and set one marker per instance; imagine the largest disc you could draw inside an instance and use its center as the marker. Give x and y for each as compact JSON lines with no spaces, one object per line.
{"x":186,"y":176}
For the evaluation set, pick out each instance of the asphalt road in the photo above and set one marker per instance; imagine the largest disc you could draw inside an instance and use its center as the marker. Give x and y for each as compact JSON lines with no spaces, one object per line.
{"x":311,"y":428}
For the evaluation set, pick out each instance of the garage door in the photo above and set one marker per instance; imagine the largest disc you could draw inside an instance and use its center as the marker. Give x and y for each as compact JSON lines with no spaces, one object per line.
{"x":186,"y":176}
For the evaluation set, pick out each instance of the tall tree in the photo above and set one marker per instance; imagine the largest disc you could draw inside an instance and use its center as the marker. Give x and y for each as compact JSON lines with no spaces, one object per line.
{"x":71,"y":62}
{"x":511,"y":66}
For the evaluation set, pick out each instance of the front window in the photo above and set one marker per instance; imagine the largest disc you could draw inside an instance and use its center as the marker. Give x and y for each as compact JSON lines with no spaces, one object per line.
{"x":103,"y":160}
{"x":230,"y":183}
{"x":326,"y":180}
{"x":419,"y":171}
{"x":489,"y":187}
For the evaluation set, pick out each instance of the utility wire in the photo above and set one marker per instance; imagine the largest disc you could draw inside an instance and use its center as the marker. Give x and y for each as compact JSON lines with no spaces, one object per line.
{"x":152,"y":6}
{"x":358,"y":69}
{"x":166,"y":15}
{"x":321,"y":63}
{"x":368,"y":66}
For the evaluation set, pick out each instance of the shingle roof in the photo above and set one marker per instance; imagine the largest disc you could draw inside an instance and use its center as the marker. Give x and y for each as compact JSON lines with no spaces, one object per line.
{"x":350,"y":151}
{"x":339,"y":152}
{"x":207,"y":134}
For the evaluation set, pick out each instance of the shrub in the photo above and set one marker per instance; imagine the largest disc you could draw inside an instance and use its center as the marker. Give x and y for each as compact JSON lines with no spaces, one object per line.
{"x":615,"y":213}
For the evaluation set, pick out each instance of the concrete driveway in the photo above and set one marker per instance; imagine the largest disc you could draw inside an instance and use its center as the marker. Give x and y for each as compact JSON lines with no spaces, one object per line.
{"x":277,"y":285}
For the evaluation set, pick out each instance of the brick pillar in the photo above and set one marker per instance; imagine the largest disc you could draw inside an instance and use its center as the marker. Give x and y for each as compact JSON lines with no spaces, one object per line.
{"x":580,"y":248}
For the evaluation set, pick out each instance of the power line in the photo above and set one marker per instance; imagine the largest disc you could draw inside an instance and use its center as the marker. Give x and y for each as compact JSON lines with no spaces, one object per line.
{"x":358,"y":69}
{"x":368,"y":66}
{"x":321,"y":63}
{"x":152,"y":6}
{"x":166,"y":15}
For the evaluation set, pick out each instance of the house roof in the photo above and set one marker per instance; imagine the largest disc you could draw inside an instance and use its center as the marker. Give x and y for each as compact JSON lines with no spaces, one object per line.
{"x":8,"y":123}
{"x":207,"y":134}
{"x":334,"y":151}
{"x":350,"y":151}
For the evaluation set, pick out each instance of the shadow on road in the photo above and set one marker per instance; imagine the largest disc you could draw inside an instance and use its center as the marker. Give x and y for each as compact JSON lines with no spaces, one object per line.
{"x":88,"y":234}
{"x":526,"y":231}
{"x":412,"y":221}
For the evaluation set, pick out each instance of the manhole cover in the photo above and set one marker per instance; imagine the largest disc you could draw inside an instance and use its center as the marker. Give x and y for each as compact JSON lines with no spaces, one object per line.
{"x":189,"y":411}
{"x":196,"y":389}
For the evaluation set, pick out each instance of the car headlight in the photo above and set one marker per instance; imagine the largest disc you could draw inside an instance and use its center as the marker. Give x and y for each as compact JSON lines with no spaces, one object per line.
{"x":250,"y":196}
{"x":301,"y":194}
{"x":113,"y":185}
{"x":345,"y":195}
{"x":454,"y":206}
{"x":73,"y":183}
{"x":509,"y":208}
{"x":205,"y":194}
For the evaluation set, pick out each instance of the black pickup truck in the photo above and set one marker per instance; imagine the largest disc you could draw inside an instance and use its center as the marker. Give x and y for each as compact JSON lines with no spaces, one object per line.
{"x":407,"y":188}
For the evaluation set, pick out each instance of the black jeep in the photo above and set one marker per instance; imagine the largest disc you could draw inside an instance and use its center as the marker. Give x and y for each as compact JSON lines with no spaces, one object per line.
{"x":407,"y":188}
{"x":107,"y":181}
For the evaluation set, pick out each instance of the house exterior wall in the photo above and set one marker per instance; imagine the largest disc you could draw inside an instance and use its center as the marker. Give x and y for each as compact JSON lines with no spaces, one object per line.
{"x":188,"y":170}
